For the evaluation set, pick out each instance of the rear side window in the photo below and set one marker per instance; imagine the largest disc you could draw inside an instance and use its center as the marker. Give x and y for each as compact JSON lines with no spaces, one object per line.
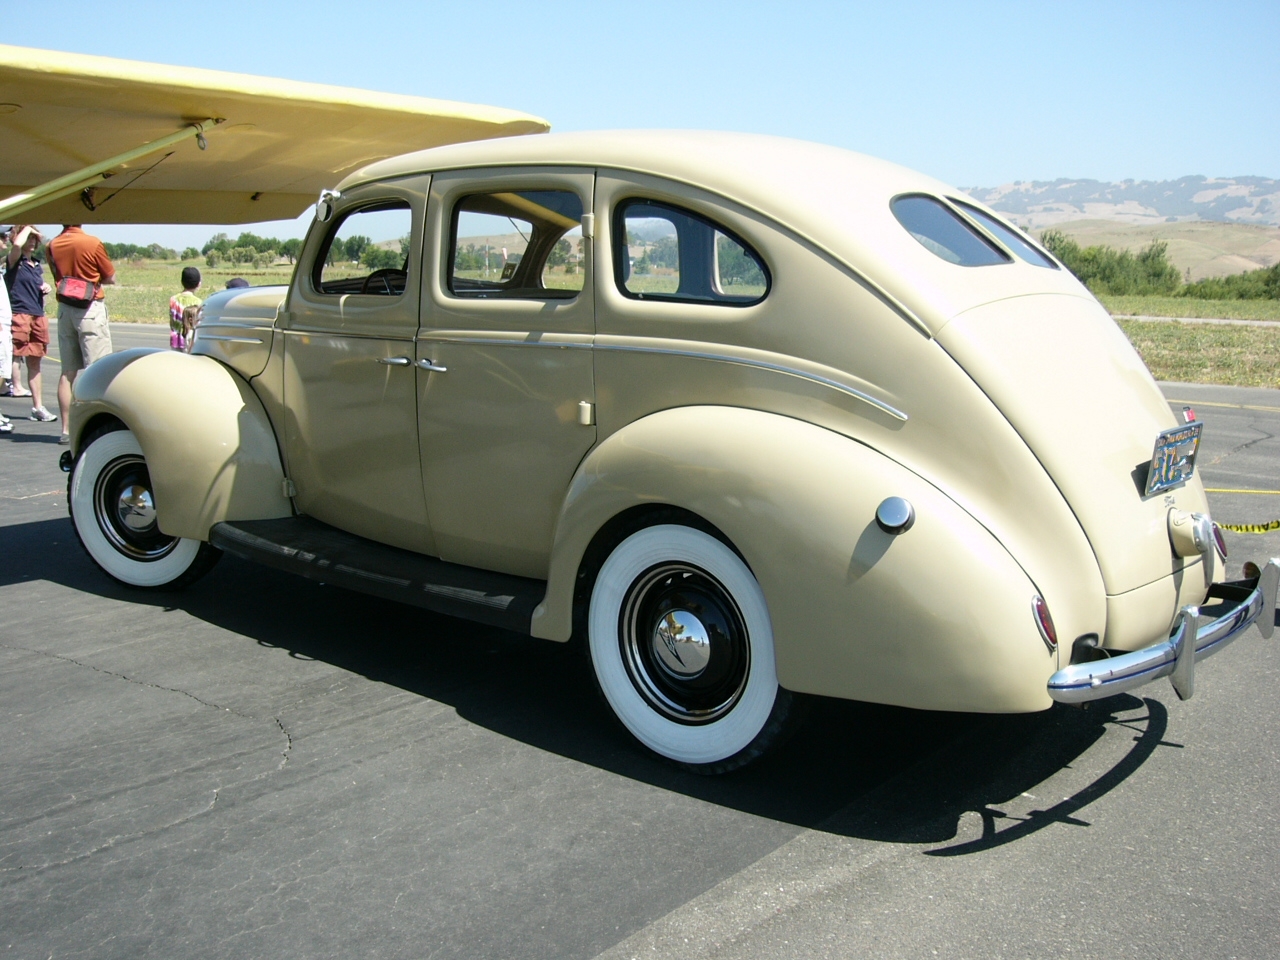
{"x":1008,"y":236}
{"x":367,"y":252}
{"x":663,"y":252}
{"x":943,"y":233}
{"x":521,"y":244}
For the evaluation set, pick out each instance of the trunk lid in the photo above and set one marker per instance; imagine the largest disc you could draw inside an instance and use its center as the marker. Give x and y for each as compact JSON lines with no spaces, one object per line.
{"x":1068,"y":380}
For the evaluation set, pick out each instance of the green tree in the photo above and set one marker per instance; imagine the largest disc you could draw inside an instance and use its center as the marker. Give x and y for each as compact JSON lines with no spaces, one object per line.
{"x":1252,"y":285}
{"x":219,"y":241}
{"x":559,"y":254}
{"x":665,"y":252}
{"x":736,"y":265}
{"x":191,"y":253}
{"x":378,"y":258}
{"x":291,"y":248}
{"x":355,"y":246}
{"x":1107,"y":270}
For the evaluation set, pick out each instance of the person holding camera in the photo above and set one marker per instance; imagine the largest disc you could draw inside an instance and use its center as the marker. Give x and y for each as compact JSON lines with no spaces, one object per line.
{"x":24,"y":276}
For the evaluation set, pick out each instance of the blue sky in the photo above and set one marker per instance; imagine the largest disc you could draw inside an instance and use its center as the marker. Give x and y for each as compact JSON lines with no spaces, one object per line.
{"x":977,"y":94}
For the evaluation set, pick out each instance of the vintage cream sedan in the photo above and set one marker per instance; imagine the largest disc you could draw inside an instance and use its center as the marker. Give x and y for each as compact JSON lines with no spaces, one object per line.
{"x":751,"y":417}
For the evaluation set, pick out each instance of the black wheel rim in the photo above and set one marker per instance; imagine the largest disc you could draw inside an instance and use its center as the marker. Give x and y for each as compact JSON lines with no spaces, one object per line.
{"x":684,"y":643}
{"x":124,"y":507}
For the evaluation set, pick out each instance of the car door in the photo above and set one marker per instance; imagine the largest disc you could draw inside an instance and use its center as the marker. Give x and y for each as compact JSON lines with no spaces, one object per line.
{"x":350,"y":388}
{"x":506,"y":388}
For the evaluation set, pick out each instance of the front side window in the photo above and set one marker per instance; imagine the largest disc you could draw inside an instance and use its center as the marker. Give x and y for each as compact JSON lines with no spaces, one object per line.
{"x":367,"y":252}
{"x":663,"y":252}
{"x":522,"y":244}
{"x":940,"y":230}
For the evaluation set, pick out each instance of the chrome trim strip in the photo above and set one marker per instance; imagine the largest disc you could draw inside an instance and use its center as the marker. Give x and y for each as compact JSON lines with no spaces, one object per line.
{"x":691,"y":354}
{"x":214,"y":336}
{"x":1105,"y":678}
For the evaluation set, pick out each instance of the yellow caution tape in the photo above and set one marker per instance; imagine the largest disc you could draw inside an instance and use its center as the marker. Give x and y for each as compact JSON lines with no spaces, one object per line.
{"x":1251,"y":527}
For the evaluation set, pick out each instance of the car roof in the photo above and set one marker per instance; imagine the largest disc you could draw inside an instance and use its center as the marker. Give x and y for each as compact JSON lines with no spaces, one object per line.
{"x":835,"y":199}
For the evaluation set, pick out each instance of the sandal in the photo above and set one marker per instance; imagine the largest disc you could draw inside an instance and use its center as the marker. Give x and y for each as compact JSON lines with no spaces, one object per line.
{"x":18,"y":393}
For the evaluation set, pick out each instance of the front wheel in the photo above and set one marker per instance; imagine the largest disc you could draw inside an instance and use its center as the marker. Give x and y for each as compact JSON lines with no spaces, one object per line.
{"x":682,"y":647}
{"x":113,"y":510}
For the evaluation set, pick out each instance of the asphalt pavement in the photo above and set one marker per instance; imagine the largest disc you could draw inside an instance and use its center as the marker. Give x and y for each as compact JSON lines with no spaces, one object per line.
{"x":262,"y":766}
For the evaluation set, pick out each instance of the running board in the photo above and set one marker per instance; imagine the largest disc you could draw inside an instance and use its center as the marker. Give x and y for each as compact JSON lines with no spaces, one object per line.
{"x":318,"y":551}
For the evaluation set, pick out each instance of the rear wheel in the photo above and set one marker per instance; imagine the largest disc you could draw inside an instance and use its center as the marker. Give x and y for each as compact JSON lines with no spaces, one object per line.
{"x":682,"y":647}
{"x":113,"y":510}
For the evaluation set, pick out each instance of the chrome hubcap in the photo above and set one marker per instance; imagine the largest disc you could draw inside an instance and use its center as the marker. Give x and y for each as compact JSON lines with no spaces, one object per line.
{"x":684,"y":643}
{"x":136,"y":509}
{"x":125,"y":509}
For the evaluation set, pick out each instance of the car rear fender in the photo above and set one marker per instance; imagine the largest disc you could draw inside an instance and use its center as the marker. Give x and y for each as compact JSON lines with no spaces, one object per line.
{"x":938,"y":617}
{"x":210,"y":449}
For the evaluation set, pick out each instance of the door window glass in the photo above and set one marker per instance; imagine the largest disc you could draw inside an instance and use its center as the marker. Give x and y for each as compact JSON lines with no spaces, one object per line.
{"x":666,"y":253}
{"x":525,"y":244}
{"x":367,"y":252}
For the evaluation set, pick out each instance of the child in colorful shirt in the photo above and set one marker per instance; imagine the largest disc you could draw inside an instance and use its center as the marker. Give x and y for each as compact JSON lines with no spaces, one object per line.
{"x":184,"y":311}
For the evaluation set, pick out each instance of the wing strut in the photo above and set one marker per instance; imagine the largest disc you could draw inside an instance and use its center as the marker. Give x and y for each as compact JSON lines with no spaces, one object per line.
{"x":88,"y":176}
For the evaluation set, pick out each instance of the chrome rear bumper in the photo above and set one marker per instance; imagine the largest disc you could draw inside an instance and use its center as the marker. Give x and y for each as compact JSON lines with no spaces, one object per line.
{"x":1234,"y":606}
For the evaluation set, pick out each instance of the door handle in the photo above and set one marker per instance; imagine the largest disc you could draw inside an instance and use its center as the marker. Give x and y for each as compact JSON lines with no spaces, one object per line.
{"x":432,"y":365}
{"x":395,"y":361}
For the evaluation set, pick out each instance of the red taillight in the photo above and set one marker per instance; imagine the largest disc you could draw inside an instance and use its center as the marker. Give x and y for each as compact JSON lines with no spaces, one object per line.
{"x":1220,"y":541}
{"x":1044,"y":622}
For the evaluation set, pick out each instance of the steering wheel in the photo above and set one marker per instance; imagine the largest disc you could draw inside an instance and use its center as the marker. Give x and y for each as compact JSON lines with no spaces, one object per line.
{"x":384,"y":276}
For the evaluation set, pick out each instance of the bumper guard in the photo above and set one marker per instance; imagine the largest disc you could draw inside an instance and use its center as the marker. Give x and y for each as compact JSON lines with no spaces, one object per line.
{"x":1233,"y":605}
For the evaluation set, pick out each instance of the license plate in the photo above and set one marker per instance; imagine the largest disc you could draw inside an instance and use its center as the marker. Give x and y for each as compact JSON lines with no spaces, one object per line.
{"x":1174,"y":459}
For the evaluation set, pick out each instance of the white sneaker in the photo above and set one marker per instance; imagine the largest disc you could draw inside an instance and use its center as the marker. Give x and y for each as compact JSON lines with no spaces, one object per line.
{"x":43,"y":415}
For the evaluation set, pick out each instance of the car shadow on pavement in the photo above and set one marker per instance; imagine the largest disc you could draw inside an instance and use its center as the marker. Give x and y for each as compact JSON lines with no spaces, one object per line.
{"x":860,"y":770}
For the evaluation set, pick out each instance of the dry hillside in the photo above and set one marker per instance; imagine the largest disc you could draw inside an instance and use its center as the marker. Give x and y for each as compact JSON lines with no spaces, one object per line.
{"x":1205,"y":248}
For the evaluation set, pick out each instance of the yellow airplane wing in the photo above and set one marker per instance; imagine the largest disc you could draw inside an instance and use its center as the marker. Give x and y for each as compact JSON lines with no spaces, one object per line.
{"x":98,"y":140}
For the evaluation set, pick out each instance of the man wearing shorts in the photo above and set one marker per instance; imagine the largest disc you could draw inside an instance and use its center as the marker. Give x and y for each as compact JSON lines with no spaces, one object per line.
{"x":83,"y":334}
{"x":24,"y":277}
{"x":6,"y":337}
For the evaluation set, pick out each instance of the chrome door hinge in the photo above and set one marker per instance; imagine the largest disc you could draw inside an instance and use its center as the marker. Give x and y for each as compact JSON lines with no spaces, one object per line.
{"x":288,"y":489}
{"x":586,"y":413}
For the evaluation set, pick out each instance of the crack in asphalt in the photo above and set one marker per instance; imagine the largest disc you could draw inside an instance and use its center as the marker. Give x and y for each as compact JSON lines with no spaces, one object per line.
{"x":1244,"y":446}
{"x":113,"y":841}
{"x":33,"y":496}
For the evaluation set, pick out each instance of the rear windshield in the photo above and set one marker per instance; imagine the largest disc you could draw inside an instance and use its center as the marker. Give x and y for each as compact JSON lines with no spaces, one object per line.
{"x":1008,"y":236}
{"x":941,"y":231}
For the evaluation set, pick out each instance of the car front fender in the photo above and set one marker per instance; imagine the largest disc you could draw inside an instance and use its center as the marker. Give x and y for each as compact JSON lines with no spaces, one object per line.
{"x":210,"y":449}
{"x":937,"y":617}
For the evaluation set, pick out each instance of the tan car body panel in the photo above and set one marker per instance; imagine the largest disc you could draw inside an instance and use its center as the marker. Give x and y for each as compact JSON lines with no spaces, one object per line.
{"x":210,"y":448}
{"x":937,"y":618}
{"x":500,"y":431}
{"x":1001,"y":401}
{"x":239,"y":326}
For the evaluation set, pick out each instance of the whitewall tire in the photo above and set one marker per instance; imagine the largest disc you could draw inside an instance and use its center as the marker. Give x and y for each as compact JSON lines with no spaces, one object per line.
{"x":113,"y":510}
{"x":682,"y":647}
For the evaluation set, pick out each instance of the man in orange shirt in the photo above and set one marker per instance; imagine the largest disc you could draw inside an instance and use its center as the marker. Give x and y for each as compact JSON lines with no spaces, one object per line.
{"x":83,"y":333}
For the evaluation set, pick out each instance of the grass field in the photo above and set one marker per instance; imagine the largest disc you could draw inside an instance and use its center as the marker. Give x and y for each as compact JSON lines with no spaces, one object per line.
{"x":1186,"y":307}
{"x":143,"y":287}
{"x":1229,"y":354}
